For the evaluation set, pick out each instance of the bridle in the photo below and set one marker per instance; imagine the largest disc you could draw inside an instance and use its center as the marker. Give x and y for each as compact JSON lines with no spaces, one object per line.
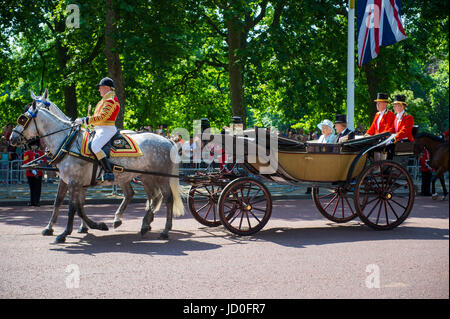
{"x":29,"y":116}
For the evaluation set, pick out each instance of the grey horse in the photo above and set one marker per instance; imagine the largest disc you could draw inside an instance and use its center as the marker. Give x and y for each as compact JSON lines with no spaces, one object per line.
{"x":75,"y":173}
{"x":128,"y":191}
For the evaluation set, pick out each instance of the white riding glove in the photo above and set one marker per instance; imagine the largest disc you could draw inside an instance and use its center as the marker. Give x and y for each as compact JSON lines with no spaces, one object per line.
{"x":78,"y":121}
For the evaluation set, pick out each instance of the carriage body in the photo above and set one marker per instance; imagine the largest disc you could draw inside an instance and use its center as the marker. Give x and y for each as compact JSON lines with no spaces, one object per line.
{"x":346,"y":182}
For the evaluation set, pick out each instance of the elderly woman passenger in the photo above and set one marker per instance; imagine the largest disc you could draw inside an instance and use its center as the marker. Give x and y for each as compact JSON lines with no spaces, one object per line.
{"x":328,"y":134}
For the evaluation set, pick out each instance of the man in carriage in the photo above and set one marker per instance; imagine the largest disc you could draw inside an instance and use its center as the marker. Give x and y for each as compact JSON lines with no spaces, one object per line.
{"x":104,"y":122}
{"x":404,"y":122}
{"x":344,"y":133}
{"x":384,"y":119}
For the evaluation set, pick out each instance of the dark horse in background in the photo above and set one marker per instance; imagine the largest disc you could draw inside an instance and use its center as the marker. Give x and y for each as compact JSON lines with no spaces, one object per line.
{"x":439,"y":158}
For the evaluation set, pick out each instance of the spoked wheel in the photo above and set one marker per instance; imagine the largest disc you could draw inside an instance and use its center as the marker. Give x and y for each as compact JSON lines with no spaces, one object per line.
{"x":389,"y":193}
{"x":337,"y":205}
{"x":202,"y":203}
{"x":245,"y":206}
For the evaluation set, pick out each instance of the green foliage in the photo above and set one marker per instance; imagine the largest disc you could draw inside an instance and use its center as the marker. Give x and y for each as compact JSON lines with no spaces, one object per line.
{"x":175,"y":61}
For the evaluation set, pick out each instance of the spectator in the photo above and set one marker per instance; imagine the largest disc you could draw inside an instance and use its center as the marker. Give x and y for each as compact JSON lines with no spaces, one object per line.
{"x":34,"y":177}
{"x":427,"y":173}
{"x":445,"y":135}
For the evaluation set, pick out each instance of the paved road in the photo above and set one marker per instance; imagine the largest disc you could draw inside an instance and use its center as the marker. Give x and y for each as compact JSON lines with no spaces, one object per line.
{"x":298,"y":254}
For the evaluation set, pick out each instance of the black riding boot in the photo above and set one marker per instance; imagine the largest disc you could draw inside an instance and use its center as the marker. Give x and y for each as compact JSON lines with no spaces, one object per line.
{"x":106,"y":165}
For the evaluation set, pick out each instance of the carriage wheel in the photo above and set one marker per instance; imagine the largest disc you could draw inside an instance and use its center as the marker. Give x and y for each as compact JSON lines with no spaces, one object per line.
{"x":389,"y":190}
{"x":202,"y":203}
{"x":245,"y":206}
{"x":337,"y":206}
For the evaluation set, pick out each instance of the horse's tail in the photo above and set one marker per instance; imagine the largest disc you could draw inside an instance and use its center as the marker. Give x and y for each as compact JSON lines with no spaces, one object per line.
{"x":178,"y":207}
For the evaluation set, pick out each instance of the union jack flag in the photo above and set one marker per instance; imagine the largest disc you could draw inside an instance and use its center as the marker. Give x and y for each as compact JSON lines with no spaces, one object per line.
{"x":379,"y":23}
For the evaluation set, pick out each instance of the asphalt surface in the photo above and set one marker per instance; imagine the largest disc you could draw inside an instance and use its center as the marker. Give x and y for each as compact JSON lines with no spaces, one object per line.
{"x":298,"y":254}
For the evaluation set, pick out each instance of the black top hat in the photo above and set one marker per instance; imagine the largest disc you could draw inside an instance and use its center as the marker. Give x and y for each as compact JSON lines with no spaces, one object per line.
{"x":400,"y":99}
{"x":382,"y":97}
{"x":340,"y":118}
{"x":106,"y":82}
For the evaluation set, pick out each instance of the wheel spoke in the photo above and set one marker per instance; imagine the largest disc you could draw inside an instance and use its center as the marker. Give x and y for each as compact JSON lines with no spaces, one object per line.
{"x":404,"y":207}
{"x":386,"y":213}
{"x":351,"y":209}
{"x":371,"y":211}
{"x":248,"y":220}
{"x":393,"y":210}
{"x":327,"y":195}
{"x":328,"y":204}
{"x":259,"y":221}
{"x":379,"y":211}
{"x":207,"y":212}
{"x":202,"y":207}
{"x":335,"y":206}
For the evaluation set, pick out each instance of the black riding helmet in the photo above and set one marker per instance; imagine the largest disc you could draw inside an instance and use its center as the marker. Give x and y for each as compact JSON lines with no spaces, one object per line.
{"x":106,"y":82}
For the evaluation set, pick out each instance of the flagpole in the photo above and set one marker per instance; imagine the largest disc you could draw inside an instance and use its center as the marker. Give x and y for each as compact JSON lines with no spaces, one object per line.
{"x":351,"y":66}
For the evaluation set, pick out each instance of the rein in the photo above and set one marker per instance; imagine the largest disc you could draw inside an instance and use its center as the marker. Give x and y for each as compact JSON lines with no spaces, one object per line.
{"x":24,"y":120}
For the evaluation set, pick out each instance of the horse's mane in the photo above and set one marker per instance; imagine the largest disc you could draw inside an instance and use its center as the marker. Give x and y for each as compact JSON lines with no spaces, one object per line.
{"x":64,"y":120}
{"x":430,"y":136}
{"x":57,"y":111}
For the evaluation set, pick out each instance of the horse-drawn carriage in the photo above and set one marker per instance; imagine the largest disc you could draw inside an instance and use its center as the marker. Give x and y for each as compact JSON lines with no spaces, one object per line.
{"x":346,"y":182}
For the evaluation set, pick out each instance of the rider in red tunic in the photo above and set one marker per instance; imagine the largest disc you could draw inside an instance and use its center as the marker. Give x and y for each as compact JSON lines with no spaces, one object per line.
{"x":104,"y":121}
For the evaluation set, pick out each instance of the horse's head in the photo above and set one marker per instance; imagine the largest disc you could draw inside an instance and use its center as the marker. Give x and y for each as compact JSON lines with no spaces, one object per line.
{"x":44,"y":101}
{"x":25,"y":131}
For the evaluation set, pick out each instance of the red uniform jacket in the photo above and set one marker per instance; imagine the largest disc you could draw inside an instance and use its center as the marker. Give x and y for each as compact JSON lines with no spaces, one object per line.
{"x":30,"y":156}
{"x":386,"y":124}
{"x":404,"y":127}
{"x":423,"y":161}
{"x":106,"y":110}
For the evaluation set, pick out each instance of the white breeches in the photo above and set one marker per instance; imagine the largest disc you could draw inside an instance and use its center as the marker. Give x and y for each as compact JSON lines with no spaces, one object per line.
{"x":102,"y":136}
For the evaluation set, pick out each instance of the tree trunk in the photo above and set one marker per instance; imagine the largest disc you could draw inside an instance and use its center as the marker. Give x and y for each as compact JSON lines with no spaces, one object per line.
{"x":70,"y":94}
{"x":235,"y":70}
{"x":372,"y":85}
{"x":113,"y":59}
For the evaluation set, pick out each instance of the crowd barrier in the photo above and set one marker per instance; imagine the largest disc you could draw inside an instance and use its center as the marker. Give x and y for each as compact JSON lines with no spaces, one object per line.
{"x":12,"y":174}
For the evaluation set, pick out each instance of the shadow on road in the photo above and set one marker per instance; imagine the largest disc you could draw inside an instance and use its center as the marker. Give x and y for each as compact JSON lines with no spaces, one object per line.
{"x":179,"y":244}
{"x":337,"y":234}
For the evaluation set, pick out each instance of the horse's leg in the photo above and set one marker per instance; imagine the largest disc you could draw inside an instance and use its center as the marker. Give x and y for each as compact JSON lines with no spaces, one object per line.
{"x":128,"y":194}
{"x":444,"y":188}
{"x":80,"y":210}
{"x":439,"y":174}
{"x":169,"y":205}
{"x":61,"y":238}
{"x":62,"y":191}
{"x":84,"y":229}
{"x":154,"y":199}
{"x":75,"y":190}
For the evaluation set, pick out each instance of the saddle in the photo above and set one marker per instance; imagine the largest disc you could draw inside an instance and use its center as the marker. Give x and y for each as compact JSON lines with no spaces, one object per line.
{"x":120,"y":145}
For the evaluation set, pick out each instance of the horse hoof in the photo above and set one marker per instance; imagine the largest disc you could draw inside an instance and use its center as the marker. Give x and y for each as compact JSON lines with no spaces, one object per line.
{"x":117,"y":223}
{"x":145,"y":230}
{"x":83,"y":230}
{"x":102,"y":226}
{"x":164,"y":236}
{"x":60,"y":239}
{"x":47,"y":232}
